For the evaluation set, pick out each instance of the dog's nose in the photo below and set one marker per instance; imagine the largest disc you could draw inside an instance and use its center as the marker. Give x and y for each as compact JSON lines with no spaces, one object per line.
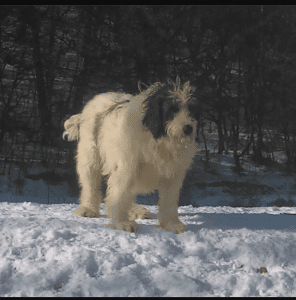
{"x":187,"y":129}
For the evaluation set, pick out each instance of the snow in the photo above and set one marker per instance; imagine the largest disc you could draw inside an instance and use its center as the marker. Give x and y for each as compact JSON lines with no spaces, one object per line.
{"x":45,"y":250}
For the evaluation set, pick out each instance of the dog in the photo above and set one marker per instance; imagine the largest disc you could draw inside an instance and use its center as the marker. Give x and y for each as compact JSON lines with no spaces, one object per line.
{"x":143,"y":143}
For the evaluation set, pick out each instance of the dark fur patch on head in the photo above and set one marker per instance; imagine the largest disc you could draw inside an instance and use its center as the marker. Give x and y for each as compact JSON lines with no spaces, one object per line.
{"x":154,"y":114}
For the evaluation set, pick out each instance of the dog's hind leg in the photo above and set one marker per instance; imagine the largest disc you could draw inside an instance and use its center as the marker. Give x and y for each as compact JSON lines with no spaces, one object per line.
{"x":90,"y":177}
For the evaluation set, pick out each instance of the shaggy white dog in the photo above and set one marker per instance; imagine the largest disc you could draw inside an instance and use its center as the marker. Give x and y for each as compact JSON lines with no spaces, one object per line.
{"x":143,"y":143}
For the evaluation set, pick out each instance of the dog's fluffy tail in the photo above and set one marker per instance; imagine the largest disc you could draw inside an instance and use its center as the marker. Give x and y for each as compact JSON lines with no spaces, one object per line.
{"x":71,"y":132}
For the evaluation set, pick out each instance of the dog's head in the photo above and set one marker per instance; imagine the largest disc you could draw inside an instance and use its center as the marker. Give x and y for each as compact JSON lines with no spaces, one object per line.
{"x":171,"y":110}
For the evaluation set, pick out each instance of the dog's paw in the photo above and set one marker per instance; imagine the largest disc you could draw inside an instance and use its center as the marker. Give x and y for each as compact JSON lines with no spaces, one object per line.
{"x":174,"y":227}
{"x":86,"y":212}
{"x":139,"y":212}
{"x":130,"y":226}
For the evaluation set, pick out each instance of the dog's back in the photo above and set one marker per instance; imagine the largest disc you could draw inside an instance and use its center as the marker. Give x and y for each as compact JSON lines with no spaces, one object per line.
{"x":100,"y":104}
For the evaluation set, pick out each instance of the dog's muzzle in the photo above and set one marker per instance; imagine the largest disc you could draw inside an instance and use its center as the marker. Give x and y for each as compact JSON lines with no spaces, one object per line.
{"x":186,"y":137}
{"x":187,"y":129}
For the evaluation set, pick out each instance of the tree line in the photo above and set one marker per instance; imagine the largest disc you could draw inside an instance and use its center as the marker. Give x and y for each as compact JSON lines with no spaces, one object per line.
{"x":241,"y":59}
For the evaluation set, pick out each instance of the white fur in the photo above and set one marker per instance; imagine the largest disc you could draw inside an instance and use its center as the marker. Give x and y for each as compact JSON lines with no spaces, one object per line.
{"x":113,"y":141}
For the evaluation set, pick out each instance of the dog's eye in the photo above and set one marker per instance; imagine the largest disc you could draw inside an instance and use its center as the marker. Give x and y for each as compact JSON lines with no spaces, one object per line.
{"x":174,"y":109}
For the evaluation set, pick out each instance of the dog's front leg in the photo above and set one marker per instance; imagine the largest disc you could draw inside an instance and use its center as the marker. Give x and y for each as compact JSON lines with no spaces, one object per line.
{"x":119,"y":202}
{"x":168,"y":206}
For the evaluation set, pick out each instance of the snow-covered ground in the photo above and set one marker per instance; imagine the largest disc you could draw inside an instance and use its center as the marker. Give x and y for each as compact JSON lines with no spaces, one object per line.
{"x":45,"y":250}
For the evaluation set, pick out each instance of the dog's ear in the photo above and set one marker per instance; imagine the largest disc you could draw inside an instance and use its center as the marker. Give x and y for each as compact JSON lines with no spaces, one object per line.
{"x":176,"y":84}
{"x":153,"y":118}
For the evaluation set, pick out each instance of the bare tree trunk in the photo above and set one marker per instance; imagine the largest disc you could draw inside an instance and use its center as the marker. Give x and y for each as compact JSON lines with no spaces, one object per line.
{"x":221,"y":146}
{"x":33,"y":20}
{"x":83,"y":77}
{"x":205,"y":141}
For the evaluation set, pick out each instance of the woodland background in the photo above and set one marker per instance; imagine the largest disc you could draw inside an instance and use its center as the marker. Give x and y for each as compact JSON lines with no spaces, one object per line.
{"x":53,"y":59}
